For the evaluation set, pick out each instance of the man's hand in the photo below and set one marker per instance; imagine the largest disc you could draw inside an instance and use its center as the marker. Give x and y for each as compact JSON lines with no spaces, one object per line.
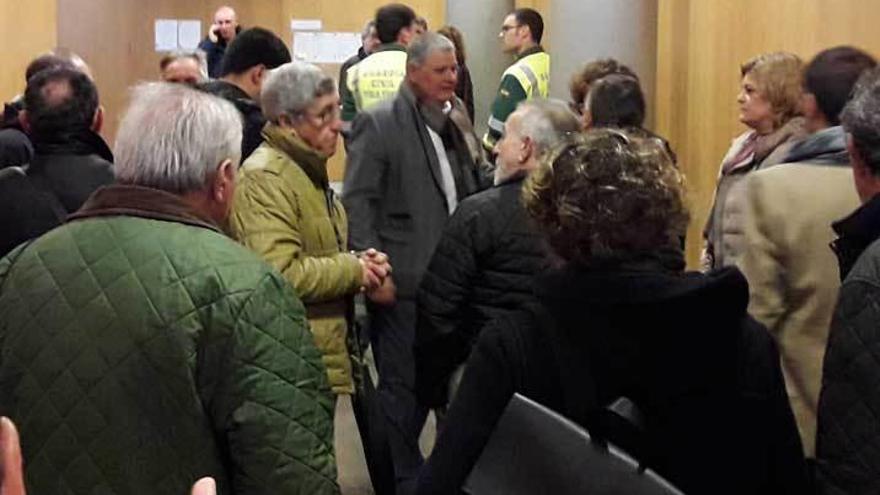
{"x":11,"y":474}
{"x":212,"y":33}
{"x":385,"y":295}
{"x":204,"y":486}
{"x":375,"y":268}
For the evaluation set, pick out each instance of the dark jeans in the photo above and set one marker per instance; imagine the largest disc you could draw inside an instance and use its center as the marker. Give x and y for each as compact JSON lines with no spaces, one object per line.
{"x":392,"y":334}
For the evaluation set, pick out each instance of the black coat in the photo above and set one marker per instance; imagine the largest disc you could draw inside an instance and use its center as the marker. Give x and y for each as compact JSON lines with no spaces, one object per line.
{"x":681,"y":346}
{"x":483,"y":267}
{"x":847,"y":436}
{"x":251,"y":113}
{"x":214,"y":53}
{"x":15,"y":148}
{"x":56,"y":183}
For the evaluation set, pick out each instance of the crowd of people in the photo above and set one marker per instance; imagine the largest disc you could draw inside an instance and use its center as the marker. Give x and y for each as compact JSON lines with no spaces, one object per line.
{"x":200,"y":302}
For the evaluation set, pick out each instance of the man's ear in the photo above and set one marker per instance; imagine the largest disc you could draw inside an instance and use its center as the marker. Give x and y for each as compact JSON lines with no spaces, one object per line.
{"x":257,"y":75}
{"x":808,"y":104}
{"x":25,"y":121}
{"x":98,"y":119}
{"x":224,"y":181}
{"x":528,"y":149}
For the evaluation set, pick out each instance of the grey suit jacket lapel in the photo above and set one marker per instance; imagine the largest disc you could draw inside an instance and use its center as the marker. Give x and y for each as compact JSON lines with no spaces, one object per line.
{"x":433,"y":162}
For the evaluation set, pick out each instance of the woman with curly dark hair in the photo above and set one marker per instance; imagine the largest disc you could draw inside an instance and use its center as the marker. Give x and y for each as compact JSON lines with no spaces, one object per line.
{"x":612,"y":320}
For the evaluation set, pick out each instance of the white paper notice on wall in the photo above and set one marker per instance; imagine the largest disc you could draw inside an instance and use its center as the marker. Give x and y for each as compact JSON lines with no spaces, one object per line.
{"x":166,"y":35}
{"x":325,"y":48}
{"x":306,"y":24}
{"x":189,"y":33}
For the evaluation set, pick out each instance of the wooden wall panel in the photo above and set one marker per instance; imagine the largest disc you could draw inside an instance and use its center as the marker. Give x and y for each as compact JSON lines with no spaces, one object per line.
{"x":116,"y":38}
{"x":27,"y":29}
{"x":700,"y":47}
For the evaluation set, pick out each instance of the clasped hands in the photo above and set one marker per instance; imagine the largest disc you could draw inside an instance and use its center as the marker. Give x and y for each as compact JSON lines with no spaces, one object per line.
{"x":376,"y":281}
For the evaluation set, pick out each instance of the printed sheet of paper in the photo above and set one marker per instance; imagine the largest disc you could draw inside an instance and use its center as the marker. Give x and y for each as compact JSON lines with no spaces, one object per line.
{"x":325,"y":48}
{"x":306,"y":24}
{"x":166,"y":35}
{"x":189,"y":33}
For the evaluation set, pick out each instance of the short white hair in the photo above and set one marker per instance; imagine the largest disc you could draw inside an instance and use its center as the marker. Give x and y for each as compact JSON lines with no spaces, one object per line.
{"x":173,"y":138}
{"x":546,"y":122}
{"x":292,"y":88}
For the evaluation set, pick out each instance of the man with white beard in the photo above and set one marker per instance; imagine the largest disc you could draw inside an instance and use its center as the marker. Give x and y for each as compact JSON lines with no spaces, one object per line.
{"x":485,"y":261}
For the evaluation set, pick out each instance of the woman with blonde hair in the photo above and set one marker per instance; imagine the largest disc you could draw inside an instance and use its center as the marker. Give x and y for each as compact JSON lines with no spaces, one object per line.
{"x":769,"y":104}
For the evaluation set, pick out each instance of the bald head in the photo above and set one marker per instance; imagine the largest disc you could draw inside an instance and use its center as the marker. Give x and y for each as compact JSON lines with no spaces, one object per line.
{"x":225,"y":23}
{"x":58,"y":58}
{"x":60,"y":102}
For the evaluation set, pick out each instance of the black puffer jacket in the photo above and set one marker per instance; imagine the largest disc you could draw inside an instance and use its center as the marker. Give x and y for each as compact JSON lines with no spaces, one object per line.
{"x":482,"y":268}
{"x":679,"y":345}
{"x":847,"y":438}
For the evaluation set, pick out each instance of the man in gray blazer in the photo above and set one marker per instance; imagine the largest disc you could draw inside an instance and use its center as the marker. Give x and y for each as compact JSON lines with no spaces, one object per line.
{"x":411,"y":160}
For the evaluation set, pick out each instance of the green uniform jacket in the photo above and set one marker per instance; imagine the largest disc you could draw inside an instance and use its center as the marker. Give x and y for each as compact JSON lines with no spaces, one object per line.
{"x":286,"y":212}
{"x":142,"y":349}
{"x":528,"y":77}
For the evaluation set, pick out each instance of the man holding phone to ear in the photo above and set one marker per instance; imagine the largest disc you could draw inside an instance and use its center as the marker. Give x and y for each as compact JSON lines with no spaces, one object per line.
{"x":222,"y":32}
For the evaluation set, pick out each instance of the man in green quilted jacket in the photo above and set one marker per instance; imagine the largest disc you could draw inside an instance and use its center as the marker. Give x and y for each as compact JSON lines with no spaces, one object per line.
{"x":141,"y":349}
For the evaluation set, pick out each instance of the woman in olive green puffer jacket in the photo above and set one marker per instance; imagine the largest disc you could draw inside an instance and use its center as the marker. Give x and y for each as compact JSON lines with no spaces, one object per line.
{"x":286,"y":212}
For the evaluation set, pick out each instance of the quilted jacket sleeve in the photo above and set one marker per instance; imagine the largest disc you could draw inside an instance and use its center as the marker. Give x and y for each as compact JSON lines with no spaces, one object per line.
{"x":762,"y":261}
{"x":266,"y":219}
{"x":441,"y":343}
{"x":849,"y":404}
{"x":362,"y":189}
{"x":267,"y":393}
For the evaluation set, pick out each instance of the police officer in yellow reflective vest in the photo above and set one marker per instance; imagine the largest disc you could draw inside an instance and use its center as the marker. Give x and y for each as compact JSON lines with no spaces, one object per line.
{"x":528,"y":77}
{"x":377,"y":77}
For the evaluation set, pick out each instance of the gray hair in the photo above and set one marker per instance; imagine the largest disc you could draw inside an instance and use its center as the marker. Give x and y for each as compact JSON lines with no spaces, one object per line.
{"x":291,"y":88}
{"x":425,"y":45}
{"x":546,"y":122}
{"x":198,"y":55}
{"x":173,"y":138}
{"x":861,"y":118}
{"x":368,"y":28}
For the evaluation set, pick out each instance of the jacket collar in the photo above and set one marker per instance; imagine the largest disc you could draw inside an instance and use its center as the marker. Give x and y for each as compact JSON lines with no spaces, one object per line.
{"x":856,"y":232}
{"x":143,"y":202}
{"x":530,"y":51}
{"x":86,"y":142}
{"x":389,"y":47}
{"x":313,"y":163}
{"x":826,"y":147}
{"x":231,"y":92}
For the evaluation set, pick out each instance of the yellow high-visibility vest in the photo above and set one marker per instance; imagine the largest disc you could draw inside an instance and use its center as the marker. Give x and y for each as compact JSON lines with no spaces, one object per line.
{"x":533,"y":74}
{"x":376,"y":78}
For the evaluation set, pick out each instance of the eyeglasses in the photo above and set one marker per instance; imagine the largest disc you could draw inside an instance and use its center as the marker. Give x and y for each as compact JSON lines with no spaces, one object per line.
{"x":327,"y":116}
